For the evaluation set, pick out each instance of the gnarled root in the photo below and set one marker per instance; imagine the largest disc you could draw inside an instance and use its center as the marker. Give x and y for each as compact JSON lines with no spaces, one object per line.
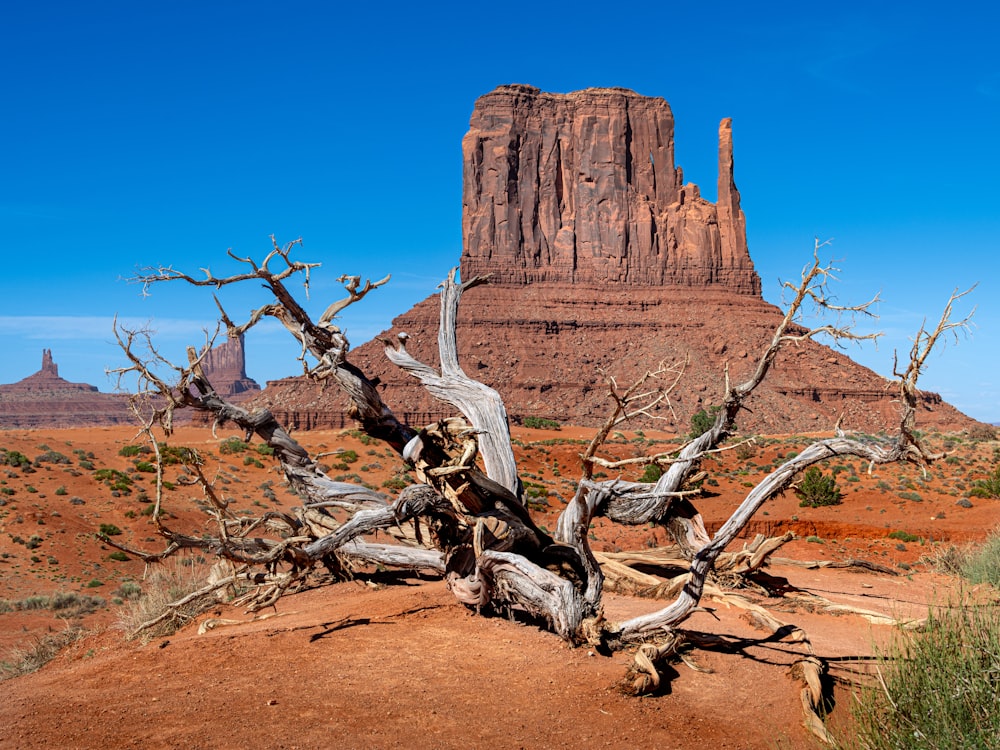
{"x":644,"y":673}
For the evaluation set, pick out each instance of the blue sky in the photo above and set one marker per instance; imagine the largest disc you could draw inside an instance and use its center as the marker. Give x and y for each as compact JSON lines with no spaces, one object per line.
{"x":147,"y":133}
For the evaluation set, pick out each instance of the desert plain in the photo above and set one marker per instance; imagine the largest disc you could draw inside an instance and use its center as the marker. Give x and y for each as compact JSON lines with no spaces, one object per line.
{"x":392,"y":660}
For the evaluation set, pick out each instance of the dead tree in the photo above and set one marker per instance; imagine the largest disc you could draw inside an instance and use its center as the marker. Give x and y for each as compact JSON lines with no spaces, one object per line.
{"x":467,"y":518}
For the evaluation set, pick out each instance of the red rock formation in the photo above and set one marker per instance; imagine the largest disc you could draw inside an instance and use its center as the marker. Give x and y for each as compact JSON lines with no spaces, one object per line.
{"x":581,"y":188}
{"x":225,"y":367}
{"x":46,"y":400}
{"x":602,"y":262}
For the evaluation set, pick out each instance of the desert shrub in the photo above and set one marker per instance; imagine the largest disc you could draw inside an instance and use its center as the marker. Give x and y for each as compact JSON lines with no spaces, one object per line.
{"x":817,"y":489}
{"x":233,"y":445}
{"x":171,"y":455}
{"x":118,"y":556}
{"x":52,"y":457}
{"x":652,"y":474}
{"x":133,"y":450}
{"x":936,"y":688}
{"x":116,"y":480}
{"x":702,"y":421}
{"x":349,"y":456}
{"x":251,"y":461}
{"x":145,"y":467}
{"x":397,"y":482}
{"x":982,"y":564}
{"x":989,"y":487}
{"x":60,"y":490}
{"x":34,"y":542}
{"x":14,"y":458}
{"x":532,"y":490}
{"x":109,"y":529}
{"x":541,"y":423}
{"x":264,"y":449}
{"x":745,"y":451}
{"x":904,"y":536}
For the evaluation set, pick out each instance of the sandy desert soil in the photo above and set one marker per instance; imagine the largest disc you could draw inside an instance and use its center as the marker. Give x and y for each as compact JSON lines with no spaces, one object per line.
{"x":401,"y":664}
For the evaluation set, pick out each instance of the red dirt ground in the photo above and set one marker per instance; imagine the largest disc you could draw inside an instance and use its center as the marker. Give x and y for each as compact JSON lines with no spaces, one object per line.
{"x":404,"y":665}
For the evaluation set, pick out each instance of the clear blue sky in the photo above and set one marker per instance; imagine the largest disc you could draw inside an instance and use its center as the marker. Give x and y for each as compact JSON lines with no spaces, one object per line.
{"x":166,"y":132}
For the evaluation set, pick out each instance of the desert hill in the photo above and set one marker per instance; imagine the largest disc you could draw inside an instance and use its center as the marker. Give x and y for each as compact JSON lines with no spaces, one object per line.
{"x":604,"y":262}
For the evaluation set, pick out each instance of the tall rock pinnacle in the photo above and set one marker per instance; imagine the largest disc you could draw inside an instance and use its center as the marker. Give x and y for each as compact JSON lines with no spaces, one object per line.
{"x":581,"y":188}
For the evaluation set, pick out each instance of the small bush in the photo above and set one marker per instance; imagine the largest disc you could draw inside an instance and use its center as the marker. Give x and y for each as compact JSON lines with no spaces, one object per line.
{"x":133,"y":450}
{"x":816,"y":489}
{"x":652,"y":474}
{"x":14,"y":458}
{"x":904,"y":536}
{"x":118,"y":556}
{"x":109,"y":529}
{"x":233,"y":445}
{"x":171,"y":455}
{"x":989,"y":487}
{"x":60,"y":490}
{"x":540,"y":423}
{"x":52,"y":457}
{"x":398,"y":482}
{"x":702,"y":421}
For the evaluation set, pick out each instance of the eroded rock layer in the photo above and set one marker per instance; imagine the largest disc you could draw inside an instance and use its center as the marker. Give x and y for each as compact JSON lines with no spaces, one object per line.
{"x":582,"y":188}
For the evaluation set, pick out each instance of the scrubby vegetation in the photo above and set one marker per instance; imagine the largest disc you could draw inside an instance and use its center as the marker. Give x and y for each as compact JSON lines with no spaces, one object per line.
{"x":937,"y":688}
{"x":817,"y":489}
{"x":540,"y":423}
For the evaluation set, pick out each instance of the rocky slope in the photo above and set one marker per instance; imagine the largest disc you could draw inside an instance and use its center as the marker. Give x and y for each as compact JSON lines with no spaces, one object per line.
{"x":603,"y":262}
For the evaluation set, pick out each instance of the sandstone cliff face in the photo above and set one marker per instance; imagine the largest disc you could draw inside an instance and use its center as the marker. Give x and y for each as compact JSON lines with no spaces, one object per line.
{"x":46,"y":400}
{"x":582,"y":188}
{"x":225,"y":367}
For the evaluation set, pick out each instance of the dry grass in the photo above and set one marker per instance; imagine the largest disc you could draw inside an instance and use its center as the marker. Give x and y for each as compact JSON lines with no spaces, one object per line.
{"x":167,"y":584}
{"x":23,"y":660}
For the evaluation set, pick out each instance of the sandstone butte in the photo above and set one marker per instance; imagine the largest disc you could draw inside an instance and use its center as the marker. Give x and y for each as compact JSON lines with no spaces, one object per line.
{"x":44,"y":399}
{"x":603,"y":261}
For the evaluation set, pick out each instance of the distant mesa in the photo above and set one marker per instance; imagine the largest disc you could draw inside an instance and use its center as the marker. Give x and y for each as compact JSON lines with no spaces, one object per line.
{"x":603,"y":260}
{"x":46,"y":400}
